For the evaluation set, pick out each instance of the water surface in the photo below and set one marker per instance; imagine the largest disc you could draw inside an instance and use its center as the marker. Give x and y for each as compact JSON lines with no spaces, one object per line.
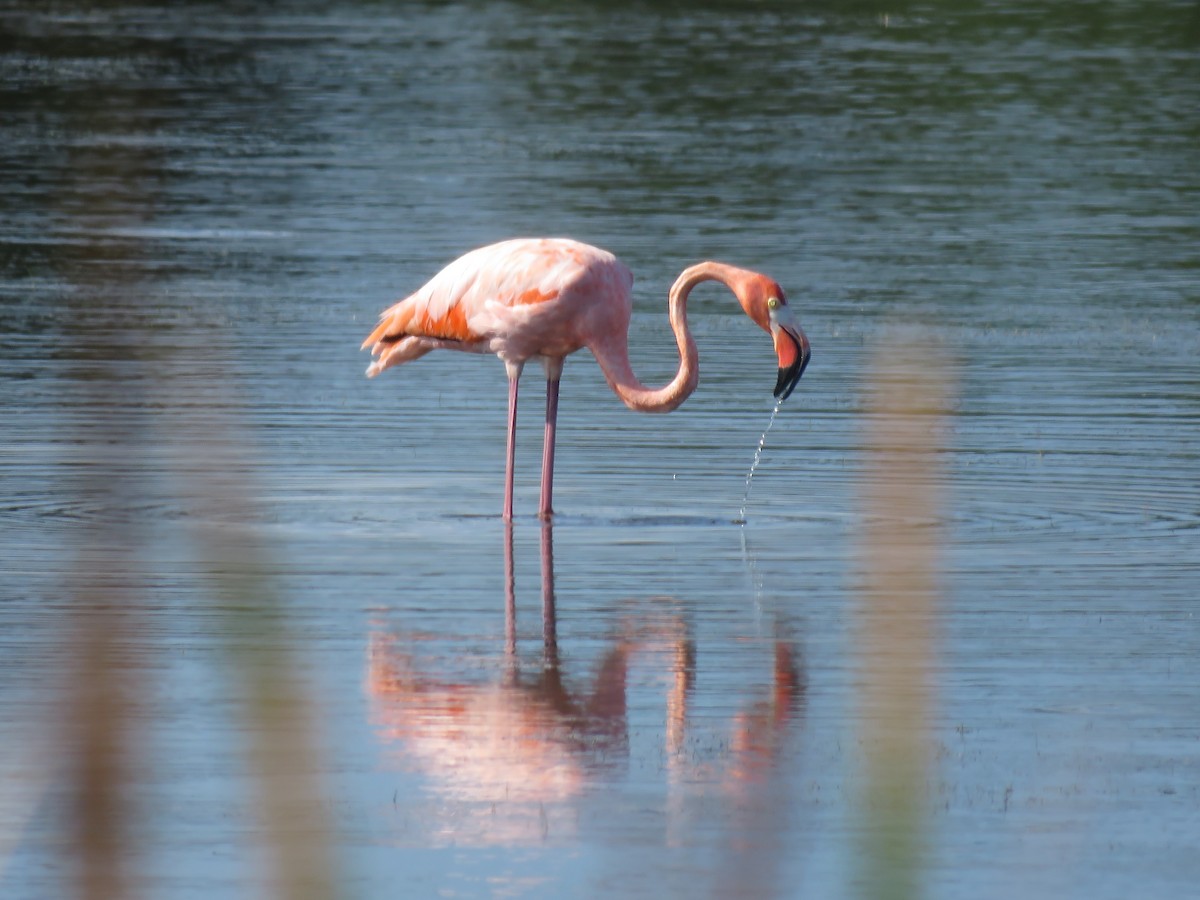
{"x":203,"y":211}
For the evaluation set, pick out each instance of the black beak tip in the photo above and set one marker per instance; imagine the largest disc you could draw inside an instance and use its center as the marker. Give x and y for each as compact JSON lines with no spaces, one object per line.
{"x":789,"y":377}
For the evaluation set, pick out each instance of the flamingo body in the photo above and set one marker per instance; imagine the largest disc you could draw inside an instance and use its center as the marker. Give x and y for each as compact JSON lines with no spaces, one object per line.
{"x":518,"y":299}
{"x":545,"y":298}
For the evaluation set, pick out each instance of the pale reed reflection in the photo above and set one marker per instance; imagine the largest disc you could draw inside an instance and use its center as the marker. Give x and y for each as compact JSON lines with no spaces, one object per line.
{"x":515,"y":754}
{"x":124,"y":409}
{"x":897,"y":611}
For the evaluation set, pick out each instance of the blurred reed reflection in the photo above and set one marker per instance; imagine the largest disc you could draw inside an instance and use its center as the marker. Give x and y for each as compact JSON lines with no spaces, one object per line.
{"x":515,"y":752}
{"x":911,"y":391}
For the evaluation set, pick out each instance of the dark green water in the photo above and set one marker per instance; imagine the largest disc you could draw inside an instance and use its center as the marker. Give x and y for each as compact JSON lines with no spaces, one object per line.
{"x":203,"y":209}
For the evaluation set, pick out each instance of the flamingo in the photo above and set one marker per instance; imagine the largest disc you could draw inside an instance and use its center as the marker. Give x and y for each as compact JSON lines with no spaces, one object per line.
{"x":545,"y":298}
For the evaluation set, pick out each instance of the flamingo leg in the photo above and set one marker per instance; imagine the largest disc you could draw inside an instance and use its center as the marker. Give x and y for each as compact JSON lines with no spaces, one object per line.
{"x":514,"y":376}
{"x":553,"y":375}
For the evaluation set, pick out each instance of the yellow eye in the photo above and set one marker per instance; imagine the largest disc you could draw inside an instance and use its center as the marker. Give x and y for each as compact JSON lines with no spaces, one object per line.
{"x":772,"y":303}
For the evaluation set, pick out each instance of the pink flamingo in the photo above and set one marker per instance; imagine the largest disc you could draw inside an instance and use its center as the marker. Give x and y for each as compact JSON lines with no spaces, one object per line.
{"x":545,"y":298}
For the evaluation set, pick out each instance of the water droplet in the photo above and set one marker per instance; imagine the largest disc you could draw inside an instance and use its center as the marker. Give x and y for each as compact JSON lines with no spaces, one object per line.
{"x":762,"y":441}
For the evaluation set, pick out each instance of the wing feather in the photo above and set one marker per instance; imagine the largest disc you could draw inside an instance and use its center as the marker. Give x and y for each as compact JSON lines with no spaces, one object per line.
{"x":468,"y":300}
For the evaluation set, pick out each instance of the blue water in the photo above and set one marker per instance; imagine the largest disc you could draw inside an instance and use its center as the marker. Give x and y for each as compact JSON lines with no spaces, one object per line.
{"x":205,"y":208}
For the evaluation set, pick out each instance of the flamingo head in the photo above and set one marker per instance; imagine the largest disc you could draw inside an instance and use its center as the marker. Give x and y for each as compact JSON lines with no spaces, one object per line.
{"x":765,"y":303}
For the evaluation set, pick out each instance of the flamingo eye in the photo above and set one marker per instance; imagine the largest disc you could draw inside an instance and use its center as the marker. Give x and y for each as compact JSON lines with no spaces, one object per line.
{"x":772,"y":303}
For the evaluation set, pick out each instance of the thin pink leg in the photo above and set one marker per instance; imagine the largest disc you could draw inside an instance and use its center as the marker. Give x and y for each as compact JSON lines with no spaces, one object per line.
{"x":545,"y":509}
{"x":513,"y":378}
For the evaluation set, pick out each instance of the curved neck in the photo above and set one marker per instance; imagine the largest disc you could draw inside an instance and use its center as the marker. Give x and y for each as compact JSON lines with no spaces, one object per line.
{"x":613,"y":354}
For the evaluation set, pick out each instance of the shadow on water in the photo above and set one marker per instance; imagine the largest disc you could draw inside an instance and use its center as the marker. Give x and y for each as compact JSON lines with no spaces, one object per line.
{"x":516,"y":754}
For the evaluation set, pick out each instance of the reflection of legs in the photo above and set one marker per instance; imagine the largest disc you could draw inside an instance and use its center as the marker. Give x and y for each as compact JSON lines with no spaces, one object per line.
{"x":510,"y":597}
{"x":683,"y":677}
{"x":549,"y":622}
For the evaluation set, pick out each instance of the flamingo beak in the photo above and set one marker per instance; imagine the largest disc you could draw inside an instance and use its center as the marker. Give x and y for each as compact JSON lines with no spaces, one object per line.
{"x":791,"y":346}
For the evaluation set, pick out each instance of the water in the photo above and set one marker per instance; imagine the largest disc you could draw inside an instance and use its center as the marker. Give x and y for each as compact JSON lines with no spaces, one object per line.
{"x":203,"y":211}
{"x":762,"y":442}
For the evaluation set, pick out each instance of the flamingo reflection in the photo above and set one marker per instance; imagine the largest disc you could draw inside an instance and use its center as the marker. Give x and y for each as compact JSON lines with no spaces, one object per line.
{"x":513,"y":749}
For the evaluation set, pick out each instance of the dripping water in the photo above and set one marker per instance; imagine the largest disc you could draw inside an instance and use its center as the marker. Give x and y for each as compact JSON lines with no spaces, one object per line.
{"x":751,"y":562}
{"x":762,"y":441}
